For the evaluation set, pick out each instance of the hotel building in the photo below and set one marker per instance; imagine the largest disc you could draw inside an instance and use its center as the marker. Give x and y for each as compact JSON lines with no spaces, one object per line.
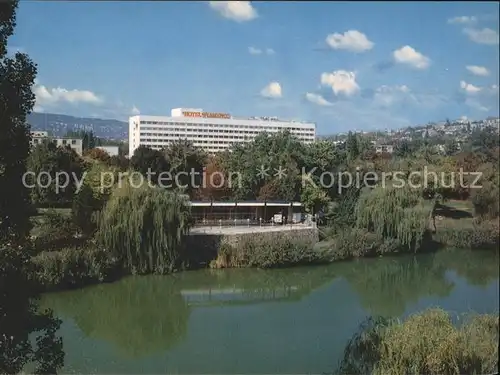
{"x":212,"y":132}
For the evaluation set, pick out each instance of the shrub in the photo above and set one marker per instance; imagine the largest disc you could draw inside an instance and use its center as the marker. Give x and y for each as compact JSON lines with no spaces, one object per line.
{"x":485,"y":201}
{"x":483,"y":234}
{"x":55,"y":231}
{"x":426,"y":343}
{"x":350,"y":243}
{"x":278,"y":250}
{"x":73,"y":267}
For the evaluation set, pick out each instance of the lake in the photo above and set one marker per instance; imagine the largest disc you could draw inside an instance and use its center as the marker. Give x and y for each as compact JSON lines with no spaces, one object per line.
{"x":295,"y":320}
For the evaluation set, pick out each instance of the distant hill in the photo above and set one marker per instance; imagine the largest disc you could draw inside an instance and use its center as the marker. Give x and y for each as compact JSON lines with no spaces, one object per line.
{"x":59,"y":125}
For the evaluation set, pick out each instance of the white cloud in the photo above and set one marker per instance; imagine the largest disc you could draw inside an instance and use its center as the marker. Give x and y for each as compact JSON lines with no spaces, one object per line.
{"x":258,"y":51}
{"x":135,"y":111}
{"x":38,"y":108}
{"x":469,"y":88}
{"x":51,"y":96}
{"x":317,"y":99}
{"x":254,"y":51}
{"x":351,"y":40}
{"x":239,"y":11}
{"x":408,"y":55}
{"x":478,"y":70}
{"x":341,"y":81}
{"x":462,"y":20}
{"x":483,"y":36}
{"x":272,"y":90}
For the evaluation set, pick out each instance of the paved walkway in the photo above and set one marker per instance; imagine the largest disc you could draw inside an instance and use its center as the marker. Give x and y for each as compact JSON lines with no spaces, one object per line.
{"x":250,"y":229}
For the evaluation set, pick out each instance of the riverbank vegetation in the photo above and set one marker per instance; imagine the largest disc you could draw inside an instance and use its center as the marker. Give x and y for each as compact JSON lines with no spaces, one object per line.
{"x":430,"y":342}
{"x":375,"y":219}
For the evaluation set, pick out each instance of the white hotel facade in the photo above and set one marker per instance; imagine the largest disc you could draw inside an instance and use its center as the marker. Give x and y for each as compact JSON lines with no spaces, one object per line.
{"x":212,"y":132}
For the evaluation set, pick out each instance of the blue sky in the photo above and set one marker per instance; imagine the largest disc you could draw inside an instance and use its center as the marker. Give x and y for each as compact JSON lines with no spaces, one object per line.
{"x":342,"y":65}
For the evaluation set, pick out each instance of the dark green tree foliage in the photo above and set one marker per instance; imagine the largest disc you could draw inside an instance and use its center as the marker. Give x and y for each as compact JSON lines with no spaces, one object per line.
{"x":270,"y":152}
{"x":47,"y":157}
{"x":352,"y":146}
{"x":186,"y":162}
{"x":146,"y":159}
{"x":84,"y":205}
{"x":17,"y":75}
{"x":144,"y":228}
{"x":20,"y":320}
{"x":119,"y":161}
{"x":344,"y":213}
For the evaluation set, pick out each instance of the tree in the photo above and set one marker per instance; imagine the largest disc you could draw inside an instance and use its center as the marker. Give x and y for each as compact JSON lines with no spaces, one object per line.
{"x":101,"y":179}
{"x":314,"y":198}
{"x":20,"y":320}
{"x":47,"y":158}
{"x":119,"y":161}
{"x":352,"y":146}
{"x":268,"y":154}
{"x":17,"y":76}
{"x":97,"y":154}
{"x":146,"y":159}
{"x":83,"y":208}
{"x":144,"y":228}
{"x":186,"y":162}
{"x":216,"y":182}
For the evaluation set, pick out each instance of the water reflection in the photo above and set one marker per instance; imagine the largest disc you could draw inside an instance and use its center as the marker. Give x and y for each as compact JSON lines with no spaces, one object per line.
{"x":145,"y":316}
{"x":479,"y":268}
{"x":140,"y":315}
{"x":387,"y":286}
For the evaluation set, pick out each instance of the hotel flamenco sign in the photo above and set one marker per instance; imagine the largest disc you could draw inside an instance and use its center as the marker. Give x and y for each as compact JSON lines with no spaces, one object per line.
{"x":206,"y":115}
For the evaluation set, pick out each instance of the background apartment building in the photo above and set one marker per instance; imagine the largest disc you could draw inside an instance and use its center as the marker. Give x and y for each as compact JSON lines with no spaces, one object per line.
{"x":212,"y":132}
{"x":38,"y":137}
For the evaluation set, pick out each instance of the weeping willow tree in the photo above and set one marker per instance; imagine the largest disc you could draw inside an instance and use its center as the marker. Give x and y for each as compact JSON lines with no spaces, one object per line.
{"x":144,"y":227}
{"x":395,"y":213}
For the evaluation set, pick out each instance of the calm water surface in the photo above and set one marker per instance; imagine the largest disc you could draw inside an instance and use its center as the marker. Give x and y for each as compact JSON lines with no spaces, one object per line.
{"x":253,"y":321}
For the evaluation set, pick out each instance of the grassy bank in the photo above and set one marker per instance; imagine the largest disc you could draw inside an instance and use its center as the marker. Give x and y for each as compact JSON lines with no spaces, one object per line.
{"x":455,"y":226}
{"x":430,"y":342}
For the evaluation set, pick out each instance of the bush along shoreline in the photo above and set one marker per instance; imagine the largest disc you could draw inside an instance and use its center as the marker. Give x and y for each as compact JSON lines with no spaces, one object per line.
{"x":429,"y":342}
{"x":113,"y":251}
